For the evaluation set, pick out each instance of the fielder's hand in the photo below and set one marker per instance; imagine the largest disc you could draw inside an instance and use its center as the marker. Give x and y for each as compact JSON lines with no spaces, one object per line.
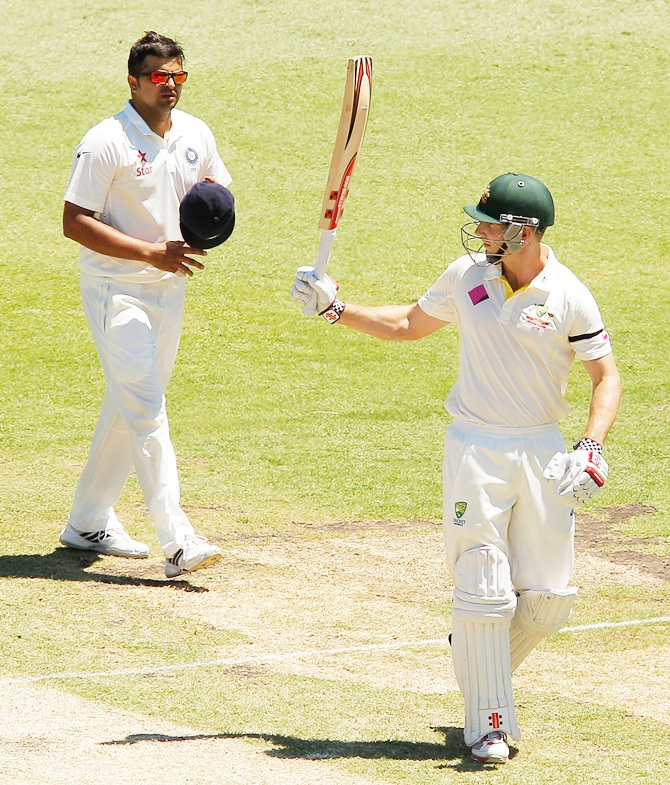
{"x":308,"y":288}
{"x":579,"y":475}
{"x":175,"y":257}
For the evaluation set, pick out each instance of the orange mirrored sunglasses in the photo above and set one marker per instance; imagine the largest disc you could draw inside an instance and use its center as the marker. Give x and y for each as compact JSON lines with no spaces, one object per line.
{"x":163,"y":77}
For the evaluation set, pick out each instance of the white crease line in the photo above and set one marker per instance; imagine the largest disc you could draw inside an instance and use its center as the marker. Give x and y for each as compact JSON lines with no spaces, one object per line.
{"x":608,"y":625}
{"x":296,"y":655}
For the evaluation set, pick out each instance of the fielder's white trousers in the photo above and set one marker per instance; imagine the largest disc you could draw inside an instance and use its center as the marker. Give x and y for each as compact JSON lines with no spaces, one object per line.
{"x":136,"y":328}
{"x":495,"y":495}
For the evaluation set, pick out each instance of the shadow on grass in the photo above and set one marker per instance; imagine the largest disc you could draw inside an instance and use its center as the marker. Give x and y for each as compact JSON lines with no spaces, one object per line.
{"x":452,"y":751}
{"x":66,"y":564}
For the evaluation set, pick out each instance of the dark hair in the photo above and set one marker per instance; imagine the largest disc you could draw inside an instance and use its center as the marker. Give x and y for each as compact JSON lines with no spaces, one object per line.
{"x":152,"y":44}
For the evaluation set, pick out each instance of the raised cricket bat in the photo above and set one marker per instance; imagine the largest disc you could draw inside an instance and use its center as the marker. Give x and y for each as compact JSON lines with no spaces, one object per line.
{"x":350,"y":133}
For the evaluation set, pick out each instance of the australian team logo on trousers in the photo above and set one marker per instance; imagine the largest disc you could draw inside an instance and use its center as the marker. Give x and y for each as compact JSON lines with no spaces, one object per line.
{"x":459,"y":509}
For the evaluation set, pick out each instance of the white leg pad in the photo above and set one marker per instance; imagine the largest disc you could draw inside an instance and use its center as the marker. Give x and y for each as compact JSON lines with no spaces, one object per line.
{"x":538,"y":614}
{"x":484,"y":603}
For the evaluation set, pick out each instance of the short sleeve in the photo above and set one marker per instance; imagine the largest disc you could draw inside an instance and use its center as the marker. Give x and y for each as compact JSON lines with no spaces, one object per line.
{"x":587,"y":335}
{"x":439,"y":300}
{"x":93,"y":170}
{"x":214,"y":167}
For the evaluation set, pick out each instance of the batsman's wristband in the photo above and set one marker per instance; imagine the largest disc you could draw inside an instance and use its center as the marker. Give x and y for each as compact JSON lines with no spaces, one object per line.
{"x":591,"y":445}
{"x":333,"y":311}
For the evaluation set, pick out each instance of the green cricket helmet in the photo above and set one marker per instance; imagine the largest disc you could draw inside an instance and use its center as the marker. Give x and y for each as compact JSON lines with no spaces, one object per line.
{"x":514,"y":198}
{"x":514,"y":201}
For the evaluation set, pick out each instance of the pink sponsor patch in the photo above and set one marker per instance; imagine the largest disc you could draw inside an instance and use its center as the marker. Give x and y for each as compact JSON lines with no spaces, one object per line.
{"x":478,"y":294}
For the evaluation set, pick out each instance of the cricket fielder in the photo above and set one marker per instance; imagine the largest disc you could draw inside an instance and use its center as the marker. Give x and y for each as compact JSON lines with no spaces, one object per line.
{"x":510,"y":484}
{"x":130,"y":176}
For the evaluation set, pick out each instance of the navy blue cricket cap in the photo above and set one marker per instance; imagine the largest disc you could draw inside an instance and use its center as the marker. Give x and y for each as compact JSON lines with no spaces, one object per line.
{"x":207,"y":215}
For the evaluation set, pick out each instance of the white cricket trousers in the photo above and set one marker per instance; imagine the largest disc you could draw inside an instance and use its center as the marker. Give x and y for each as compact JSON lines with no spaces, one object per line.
{"x":136,"y":328}
{"x":506,"y":531}
{"x":495,"y":495}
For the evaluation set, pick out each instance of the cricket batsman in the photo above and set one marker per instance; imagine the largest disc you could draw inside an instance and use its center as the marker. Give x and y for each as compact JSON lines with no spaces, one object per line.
{"x":510,"y":482}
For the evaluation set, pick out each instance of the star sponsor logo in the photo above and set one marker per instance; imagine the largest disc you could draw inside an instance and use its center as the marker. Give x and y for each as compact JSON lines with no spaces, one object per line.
{"x":459,"y":511}
{"x":144,"y":167}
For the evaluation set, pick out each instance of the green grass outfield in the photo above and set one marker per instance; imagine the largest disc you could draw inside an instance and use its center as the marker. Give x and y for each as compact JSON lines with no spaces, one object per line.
{"x":282,"y":422}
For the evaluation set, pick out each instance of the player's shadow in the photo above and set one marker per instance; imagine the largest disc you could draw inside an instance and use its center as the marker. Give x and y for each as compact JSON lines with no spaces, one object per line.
{"x":451,"y":752}
{"x":67,"y":564}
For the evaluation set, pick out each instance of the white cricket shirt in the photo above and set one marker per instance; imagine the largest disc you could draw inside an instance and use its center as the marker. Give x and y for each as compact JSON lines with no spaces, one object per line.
{"x":515,"y":352}
{"x":134,"y":180}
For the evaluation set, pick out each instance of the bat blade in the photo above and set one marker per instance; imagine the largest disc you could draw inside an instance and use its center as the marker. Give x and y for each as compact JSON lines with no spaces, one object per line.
{"x":350,"y":133}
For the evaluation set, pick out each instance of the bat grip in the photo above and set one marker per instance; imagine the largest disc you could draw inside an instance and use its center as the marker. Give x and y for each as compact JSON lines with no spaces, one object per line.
{"x":322,"y":258}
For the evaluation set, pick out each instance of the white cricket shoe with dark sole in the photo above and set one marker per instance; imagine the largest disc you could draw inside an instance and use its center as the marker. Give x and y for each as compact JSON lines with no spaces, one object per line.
{"x":492,"y":748}
{"x":195,"y":554}
{"x":110,"y":541}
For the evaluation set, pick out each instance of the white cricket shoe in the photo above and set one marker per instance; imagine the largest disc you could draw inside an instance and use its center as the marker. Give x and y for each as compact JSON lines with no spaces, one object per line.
{"x":111,"y":541}
{"x":194,"y":554}
{"x":492,"y":748}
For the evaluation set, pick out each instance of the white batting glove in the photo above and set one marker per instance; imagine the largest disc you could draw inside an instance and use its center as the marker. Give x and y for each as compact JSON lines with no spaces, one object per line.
{"x":308,"y":288}
{"x":579,"y":475}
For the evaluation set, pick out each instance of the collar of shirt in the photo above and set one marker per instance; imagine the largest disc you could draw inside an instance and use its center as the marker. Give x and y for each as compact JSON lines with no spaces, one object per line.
{"x":136,"y":119}
{"x":542,"y":281}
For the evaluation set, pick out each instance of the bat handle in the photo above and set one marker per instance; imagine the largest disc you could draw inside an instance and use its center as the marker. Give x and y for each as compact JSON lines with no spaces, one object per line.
{"x":322,"y":258}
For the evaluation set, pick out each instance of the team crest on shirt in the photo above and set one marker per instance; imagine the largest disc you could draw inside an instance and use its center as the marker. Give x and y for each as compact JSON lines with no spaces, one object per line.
{"x":192,"y":157}
{"x":538,"y":317}
{"x":459,"y":509}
